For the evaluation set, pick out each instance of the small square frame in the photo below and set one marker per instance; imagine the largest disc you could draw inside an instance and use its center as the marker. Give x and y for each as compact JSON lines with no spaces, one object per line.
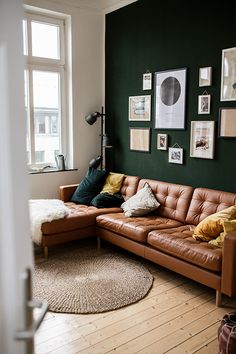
{"x":227,"y":122}
{"x":139,"y":139}
{"x":175,"y":155}
{"x":205,"y":76}
{"x":162,"y":141}
{"x":140,"y":108}
{"x":202,"y":140}
{"x":204,"y":104}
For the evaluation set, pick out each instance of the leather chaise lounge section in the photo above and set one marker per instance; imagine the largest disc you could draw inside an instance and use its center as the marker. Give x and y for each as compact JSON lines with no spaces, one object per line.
{"x":82,"y":219}
{"x":164,"y":236}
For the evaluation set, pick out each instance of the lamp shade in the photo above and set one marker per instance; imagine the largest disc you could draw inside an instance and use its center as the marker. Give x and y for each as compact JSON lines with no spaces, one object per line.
{"x":95,"y":162}
{"x":91,"y":118}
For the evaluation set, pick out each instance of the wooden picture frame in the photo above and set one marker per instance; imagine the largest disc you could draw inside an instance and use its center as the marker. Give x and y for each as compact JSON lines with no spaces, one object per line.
{"x":227,"y":122}
{"x":139,"y":139}
{"x":140,"y":108}
{"x":202,"y":140}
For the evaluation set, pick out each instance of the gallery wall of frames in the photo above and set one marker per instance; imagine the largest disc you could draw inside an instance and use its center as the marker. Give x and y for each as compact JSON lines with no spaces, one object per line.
{"x":171,"y":93}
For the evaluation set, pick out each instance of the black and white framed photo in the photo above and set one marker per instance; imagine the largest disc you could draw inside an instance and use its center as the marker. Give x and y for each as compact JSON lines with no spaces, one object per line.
{"x":202,"y":139}
{"x":147,"y":81}
{"x":162,"y":141}
{"x":204,"y":102}
{"x":227,"y":123}
{"x":140,"y":108}
{"x":228,"y":75}
{"x":175,"y":155}
{"x":205,"y":76}
{"x":139,"y":139}
{"x":170,"y":92}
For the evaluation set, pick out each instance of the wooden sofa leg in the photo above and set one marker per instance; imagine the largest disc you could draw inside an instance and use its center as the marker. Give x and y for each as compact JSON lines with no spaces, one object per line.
{"x":45,"y":251}
{"x":98,"y":243}
{"x":218,"y":298}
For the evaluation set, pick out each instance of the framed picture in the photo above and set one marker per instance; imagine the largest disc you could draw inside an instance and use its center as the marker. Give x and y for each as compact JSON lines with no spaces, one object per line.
{"x":202,"y":139}
{"x":140,"y":108}
{"x":204,"y":102}
{"x":227,"y":124}
{"x":205,"y":75}
{"x":175,"y":155}
{"x":140,"y":139}
{"x":228,"y":75}
{"x":170,"y":92}
{"x":162,"y":141}
{"x":147,"y":81}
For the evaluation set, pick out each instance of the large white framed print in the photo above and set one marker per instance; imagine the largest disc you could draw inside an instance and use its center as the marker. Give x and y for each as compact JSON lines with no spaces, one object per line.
{"x":228,"y":75}
{"x":170,"y":94}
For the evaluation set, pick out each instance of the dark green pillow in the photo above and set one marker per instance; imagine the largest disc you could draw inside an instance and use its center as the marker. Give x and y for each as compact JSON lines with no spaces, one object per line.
{"x":106,"y":200}
{"x":90,"y":186}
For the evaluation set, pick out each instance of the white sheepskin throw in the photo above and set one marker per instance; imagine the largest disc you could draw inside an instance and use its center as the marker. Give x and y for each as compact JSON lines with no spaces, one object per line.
{"x":44,"y":210}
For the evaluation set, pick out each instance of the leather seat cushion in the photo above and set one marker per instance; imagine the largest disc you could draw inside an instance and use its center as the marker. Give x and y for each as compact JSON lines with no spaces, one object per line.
{"x":81,"y":216}
{"x":134,"y":228}
{"x":179,"y":243}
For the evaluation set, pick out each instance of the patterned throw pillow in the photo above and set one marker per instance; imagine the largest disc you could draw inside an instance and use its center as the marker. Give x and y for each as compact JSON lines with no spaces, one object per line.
{"x":142,"y":203}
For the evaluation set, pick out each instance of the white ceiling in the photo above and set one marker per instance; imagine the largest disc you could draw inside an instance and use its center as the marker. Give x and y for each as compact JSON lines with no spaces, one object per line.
{"x":98,"y":5}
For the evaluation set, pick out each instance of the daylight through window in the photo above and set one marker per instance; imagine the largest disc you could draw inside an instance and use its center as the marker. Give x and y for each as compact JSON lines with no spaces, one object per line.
{"x":43,"y":40}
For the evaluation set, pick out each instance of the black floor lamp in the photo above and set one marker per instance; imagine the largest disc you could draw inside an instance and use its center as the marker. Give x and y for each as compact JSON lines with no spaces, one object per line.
{"x":105,"y":139}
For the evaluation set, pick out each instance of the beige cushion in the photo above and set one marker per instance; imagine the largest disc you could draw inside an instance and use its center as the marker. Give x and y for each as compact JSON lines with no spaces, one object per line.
{"x":143,"y":202}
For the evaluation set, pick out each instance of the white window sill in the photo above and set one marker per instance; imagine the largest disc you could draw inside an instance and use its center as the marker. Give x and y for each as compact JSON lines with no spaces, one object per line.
{"x":50,"y":170}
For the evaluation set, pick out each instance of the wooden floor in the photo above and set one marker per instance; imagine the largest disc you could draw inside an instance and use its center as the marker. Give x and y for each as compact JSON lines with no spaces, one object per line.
{"x":177,"y":316}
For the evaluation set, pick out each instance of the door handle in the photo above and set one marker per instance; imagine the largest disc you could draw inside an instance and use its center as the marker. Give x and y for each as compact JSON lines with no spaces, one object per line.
{"x":29,"y":326}
{"x":29,"y":333}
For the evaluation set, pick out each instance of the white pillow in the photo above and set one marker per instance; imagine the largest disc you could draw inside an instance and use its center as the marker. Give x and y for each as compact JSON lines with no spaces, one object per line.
{"x":143,"y":202}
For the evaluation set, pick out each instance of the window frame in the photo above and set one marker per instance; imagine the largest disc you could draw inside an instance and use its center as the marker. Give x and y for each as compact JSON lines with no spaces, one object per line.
{"x":34,"y":63}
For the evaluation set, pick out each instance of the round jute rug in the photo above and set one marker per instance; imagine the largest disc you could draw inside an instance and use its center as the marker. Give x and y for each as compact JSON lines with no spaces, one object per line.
{"x":90,"y":281}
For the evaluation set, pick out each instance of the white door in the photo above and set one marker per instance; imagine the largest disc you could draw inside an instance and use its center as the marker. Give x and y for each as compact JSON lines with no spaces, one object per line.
{"x":16,"y":259}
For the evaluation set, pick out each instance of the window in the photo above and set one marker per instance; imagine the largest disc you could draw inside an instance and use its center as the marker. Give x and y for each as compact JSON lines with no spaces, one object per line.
{"x":43,"y":45}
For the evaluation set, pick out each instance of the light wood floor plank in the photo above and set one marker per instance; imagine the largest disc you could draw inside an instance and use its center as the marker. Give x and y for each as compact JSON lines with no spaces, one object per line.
{"x":177,"y":316}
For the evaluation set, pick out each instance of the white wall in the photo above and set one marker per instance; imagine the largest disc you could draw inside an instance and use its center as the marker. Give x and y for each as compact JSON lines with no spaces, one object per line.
{"x":88,"y":36}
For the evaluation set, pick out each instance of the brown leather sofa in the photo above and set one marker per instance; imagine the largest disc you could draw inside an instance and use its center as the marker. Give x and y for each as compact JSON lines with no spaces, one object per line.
{"x":165,"y":236}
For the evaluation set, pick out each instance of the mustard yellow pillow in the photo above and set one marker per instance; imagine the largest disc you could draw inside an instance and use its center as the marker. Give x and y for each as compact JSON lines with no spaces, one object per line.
{"x":213,"y":225}
{"x":228,"y":226}
{"x":218,"y":241}
{"x":113,"y":183}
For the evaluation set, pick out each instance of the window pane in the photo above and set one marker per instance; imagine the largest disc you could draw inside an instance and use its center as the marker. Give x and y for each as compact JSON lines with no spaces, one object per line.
{"x":46,"y":94}
{"x":45,"y":40}
{"x":25,"y":42}
{"x":26,"y":92}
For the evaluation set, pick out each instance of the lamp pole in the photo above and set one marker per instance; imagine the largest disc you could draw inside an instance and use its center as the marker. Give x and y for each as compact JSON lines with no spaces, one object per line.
{"x":102,"y":128}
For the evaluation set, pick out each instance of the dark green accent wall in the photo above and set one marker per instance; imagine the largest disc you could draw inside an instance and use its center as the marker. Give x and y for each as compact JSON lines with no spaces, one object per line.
{"x":159,"y":35}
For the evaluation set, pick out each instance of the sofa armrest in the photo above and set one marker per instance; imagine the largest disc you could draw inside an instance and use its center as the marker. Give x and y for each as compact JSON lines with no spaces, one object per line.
{"x":67,"y":191}
{"x":228,"y":285}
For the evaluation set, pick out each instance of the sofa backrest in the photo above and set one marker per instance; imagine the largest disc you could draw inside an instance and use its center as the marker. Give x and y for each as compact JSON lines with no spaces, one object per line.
{"x":174,"y":198}
{"x":129,"y":186}
{"x":206,"y":202}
